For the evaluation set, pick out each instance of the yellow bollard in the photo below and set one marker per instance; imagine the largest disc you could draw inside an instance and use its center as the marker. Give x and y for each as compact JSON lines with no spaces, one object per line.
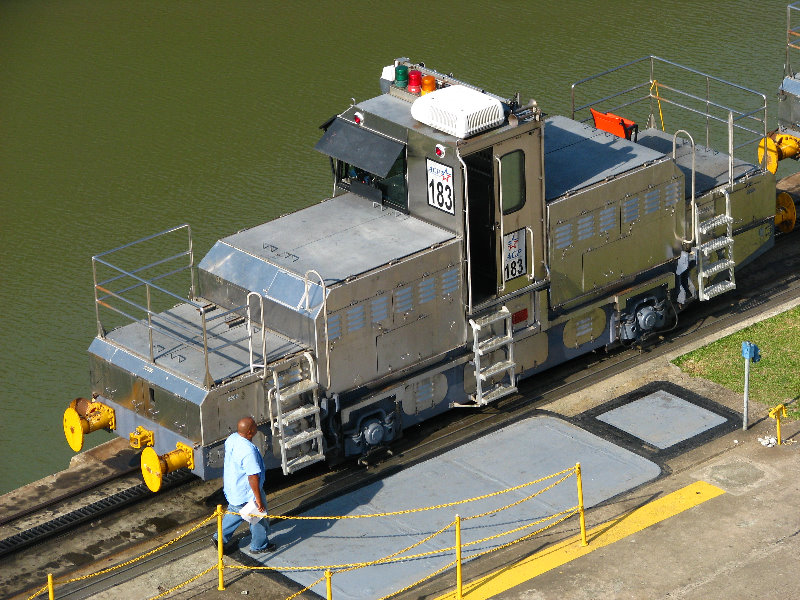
{"x":459,"y":579}
{"x":220,"y":565}
{"x":580,"y":504}
{"x":328,"y":587}
{"x":50,"y":591}
{"x":776,"y":413}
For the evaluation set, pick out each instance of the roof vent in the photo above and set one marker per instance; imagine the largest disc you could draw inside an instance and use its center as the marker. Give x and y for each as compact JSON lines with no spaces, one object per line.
{"x":458,"y":110}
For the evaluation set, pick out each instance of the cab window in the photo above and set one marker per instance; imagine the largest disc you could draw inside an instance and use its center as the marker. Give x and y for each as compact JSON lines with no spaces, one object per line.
{"x":512,"y":181}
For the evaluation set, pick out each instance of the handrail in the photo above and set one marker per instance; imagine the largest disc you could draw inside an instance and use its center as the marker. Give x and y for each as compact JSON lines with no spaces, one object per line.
{"x":250,"y":335}
{"x":693,"y":202}
{"x":324,"y":303}
{"x":735,"y":119}
{"x":502,"y":232}
{"x":467,"y":231}
{"x":162,"y":323}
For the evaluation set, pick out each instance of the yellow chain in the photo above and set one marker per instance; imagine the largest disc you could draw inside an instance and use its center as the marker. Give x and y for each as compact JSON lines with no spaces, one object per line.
{"x":41,"y":590}
{"x":542,"y":491}
{"x":140,"y":557}
{"x":188,"y":581}
{"x":422,"y":509}
{"x":391,"y":558}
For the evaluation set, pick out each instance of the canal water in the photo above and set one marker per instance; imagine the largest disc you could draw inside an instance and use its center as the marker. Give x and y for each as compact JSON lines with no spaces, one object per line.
{"x":119,"y":119}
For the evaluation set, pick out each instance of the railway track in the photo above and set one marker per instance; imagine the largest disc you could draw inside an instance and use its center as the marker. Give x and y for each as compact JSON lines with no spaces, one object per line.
{"x":766,"y":283}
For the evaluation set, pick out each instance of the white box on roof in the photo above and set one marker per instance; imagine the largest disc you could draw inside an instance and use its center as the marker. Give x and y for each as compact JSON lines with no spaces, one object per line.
{"x":458,"y":110}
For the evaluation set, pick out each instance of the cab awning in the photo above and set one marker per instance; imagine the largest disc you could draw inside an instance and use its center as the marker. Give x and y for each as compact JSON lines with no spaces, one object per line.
{"x":360,"y":147}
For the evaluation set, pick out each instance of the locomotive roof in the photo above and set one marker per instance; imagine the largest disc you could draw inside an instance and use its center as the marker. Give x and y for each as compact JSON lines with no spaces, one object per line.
{"x":340,"y":238}
{"x":577,"y":155}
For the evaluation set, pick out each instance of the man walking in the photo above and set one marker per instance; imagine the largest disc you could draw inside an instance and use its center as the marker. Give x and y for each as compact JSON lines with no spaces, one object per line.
{"x":242,"y":481}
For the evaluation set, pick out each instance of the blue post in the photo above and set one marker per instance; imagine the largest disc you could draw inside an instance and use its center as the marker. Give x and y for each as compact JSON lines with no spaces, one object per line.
{"x":749,"y":352}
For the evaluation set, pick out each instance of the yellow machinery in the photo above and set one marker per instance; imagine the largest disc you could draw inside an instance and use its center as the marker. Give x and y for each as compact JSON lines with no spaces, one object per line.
{"x":785,"y":213}
{"x":154,"y":467}
{"x":777,"y":146}
{"x":84,"y":416}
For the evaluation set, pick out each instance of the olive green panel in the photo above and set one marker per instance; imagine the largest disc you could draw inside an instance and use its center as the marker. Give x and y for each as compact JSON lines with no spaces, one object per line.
{"x":607,"y":233}
{"x":531,"y":351}
{"x":584,"y":327}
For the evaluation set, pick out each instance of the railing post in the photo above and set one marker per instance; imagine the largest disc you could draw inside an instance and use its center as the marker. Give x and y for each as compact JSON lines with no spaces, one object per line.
{"x":459,"y":579}
{"x":209,"y":382}
{"x":150,"y":322}
{"x":328,"y":586}
{"x":50,"y":591}
{"x":580,"y":504}
{"x":220,"y":565}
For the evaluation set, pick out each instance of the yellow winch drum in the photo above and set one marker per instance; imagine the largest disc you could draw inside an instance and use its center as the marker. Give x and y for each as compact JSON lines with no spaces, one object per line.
{"x":85,"y":416}
{"x":777,"y":146}
{"x":154,"y":467}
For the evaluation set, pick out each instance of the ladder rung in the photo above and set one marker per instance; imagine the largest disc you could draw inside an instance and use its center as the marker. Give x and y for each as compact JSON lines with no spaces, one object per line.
{"x":301,"y":438}
{"x":295,"y":464}
{"x":497,"y":392}
{"x":493,"y":343}
{"x":717,"y":289}
{"x":294,"y":390}
{"x":711,"y":224}
{"x":715,"y":244}
{"x":485,"y":320}
{"x":498,"y":367}
{"x":297,"y":414}
{"x":716,"y":267}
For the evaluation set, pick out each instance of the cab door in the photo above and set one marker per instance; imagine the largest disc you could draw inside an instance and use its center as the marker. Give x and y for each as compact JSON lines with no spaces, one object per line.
{"x":517,"y":178}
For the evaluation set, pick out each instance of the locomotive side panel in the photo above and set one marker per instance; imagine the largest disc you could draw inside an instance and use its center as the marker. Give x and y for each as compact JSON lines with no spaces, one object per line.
{"x":395,"y":317}
{"x":606,"y":234}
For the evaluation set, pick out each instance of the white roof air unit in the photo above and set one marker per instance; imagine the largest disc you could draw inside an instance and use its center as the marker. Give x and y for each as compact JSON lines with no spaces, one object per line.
{"x":458,"y":110}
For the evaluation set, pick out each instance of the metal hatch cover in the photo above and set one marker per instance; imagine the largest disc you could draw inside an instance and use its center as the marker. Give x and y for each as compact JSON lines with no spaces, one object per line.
{"x":360,"y":147}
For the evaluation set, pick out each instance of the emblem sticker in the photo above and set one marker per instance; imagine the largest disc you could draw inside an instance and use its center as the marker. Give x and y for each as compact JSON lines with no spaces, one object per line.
{"x":440,"y":187}
{"x":515,"y":263}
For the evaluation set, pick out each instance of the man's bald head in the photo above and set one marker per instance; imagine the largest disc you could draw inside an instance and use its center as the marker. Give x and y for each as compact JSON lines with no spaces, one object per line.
{"x":246,"y":427}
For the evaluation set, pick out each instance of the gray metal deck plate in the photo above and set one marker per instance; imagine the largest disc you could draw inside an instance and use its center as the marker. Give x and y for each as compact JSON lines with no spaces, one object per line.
{"x":711,"y":167}
{"x":662,"y":419}
{"x":577,"y":155}
{"x":514,"y":455}
{"x":339,"y":238}
{"x":181,"y":349}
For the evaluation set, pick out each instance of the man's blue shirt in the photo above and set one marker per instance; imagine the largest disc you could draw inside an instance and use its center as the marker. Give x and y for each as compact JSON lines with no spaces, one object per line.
{"x":242,"y":458}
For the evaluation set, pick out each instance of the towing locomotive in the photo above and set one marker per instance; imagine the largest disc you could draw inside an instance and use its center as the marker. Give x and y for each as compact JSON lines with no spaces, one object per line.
{"x":470,"y":241}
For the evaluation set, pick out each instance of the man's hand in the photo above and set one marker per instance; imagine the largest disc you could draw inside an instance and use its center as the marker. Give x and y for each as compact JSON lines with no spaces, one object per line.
{"x":254,"y":485}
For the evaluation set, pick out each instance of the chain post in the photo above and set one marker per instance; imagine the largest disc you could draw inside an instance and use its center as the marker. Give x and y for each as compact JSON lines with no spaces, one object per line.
{"x":459,"y":575}
{"x":51,"y":594}
{"x":580,"y":504}
{"x":328,"y":586}
{"x":220,"y":565}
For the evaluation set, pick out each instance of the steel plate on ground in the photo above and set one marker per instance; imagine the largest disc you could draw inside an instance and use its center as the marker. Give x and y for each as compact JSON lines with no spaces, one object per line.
{"x":522,"y":452}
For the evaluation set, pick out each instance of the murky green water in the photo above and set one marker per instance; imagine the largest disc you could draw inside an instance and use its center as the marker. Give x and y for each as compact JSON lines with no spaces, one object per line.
{"x":120,"y":119}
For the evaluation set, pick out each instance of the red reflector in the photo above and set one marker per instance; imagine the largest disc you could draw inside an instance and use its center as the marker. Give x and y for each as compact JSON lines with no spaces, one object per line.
{"x":519,"y":316}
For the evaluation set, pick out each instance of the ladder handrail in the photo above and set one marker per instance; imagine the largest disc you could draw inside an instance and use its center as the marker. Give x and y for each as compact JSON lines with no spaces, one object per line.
{"x":253,"y":365}
{"x":693,"y":199}
{"x":306,"y":298}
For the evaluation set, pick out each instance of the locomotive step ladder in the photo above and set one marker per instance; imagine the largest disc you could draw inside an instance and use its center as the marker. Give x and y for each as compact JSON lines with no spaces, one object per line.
{"x":715,"y":254}
{"x":296,"y":422}
{"x":485,"y":342}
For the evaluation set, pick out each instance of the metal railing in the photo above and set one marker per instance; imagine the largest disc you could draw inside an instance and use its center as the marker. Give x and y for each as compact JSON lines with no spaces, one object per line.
{"x":792,"y":37}
{"x":123,"y":301}
{"x":748,"y":120}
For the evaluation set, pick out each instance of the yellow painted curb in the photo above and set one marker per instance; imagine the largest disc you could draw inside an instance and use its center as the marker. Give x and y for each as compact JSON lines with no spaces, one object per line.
{"x":603,"y":535}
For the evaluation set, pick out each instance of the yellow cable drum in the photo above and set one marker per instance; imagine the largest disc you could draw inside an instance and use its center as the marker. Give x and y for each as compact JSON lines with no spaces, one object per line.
{"x":85,"y":416}
{"x":785,"y":213}
{"x":777,"y":146}
{"x":154,"y":467}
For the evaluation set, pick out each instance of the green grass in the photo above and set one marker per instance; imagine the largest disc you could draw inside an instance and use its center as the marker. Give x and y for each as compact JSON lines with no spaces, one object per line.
{"x":775,"y":379}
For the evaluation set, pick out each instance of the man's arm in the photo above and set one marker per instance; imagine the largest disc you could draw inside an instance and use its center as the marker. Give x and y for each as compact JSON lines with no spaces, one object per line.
{"x":254,"y":485}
